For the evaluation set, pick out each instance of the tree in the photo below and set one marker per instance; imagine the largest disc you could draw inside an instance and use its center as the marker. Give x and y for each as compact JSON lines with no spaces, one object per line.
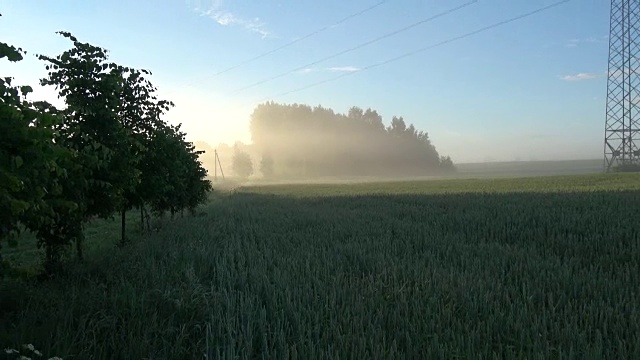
{"x":139,"y":114}
{"x":266,"y":165}
{"x":17,"y":139}
{"x":319,"y":142}
{"x":115,"y":107}
{"x":35,"y":169}
{"x":107,"y":151}
{"x":178,"y":177}
{"x":93,"y":89}
{"x":446,"y":164}
{"x":242,"y":164}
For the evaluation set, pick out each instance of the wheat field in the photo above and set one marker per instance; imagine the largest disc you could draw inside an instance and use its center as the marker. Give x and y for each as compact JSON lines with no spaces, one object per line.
{"x":530,"y":268}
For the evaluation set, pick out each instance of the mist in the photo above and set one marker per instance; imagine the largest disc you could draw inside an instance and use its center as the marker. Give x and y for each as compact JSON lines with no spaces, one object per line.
{"x":297,"y":142}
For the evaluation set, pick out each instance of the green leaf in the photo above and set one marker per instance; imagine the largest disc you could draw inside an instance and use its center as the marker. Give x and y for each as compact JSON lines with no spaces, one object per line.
{"x":18,"y":161}
{"x":13,"y":242}
{"x":11,"y":53}
{"x":18,"y":206}
{"x":26,"y":90}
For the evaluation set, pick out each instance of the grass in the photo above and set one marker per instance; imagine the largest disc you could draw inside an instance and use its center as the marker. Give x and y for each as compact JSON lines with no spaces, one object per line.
{"x":101,"y":236}
{"x":533,"y":268}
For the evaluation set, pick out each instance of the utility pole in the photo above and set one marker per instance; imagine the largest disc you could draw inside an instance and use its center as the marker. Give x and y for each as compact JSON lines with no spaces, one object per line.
{"x":216,"y":163}
{"x":622,"y":126}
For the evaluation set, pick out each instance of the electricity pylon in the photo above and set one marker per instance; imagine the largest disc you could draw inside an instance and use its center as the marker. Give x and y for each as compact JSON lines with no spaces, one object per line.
{"x":622,"y":128}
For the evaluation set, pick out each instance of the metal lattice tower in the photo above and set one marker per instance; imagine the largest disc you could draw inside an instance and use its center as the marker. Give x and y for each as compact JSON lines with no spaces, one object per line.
{"x":622,"y":129}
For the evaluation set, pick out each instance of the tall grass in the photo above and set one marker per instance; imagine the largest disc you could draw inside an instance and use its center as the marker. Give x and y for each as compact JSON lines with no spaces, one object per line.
{"x":314,"y":273}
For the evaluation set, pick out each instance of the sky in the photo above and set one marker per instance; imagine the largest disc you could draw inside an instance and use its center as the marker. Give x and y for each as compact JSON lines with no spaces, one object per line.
{"x":532,"y":89}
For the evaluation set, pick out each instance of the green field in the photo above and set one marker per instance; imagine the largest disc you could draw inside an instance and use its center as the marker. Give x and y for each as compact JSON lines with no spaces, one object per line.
{"x":531,"y":168}
{"x":535,"y":268}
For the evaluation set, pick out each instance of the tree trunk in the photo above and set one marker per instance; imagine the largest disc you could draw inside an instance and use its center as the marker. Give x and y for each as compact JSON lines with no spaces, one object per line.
{"x":1,"y":263}
{"x":80,"y":245}
{"x":142,"y":218}
{"x":148,"y":217}
{"x":123,"y":215}
{"x":49,"y":260}
{"x":52,"y":260}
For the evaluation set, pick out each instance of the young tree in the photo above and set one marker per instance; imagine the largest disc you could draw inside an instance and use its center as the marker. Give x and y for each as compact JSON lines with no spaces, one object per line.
{"x":266,"y":165}
{"x":139,"y":114}
{"x":23,"y":148}
{"x":446,"y":164}
{"x":92,"y":89}
{"x":242,"y":164}
{"x":106,"y":152}
{"x":179,"y":179}
{"x":17,"y":139}
{"x":197,"y":186}
{"x":36,"y":171}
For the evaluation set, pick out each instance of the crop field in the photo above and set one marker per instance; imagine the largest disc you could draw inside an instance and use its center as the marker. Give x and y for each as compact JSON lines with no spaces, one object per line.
{"x":535,"y":268}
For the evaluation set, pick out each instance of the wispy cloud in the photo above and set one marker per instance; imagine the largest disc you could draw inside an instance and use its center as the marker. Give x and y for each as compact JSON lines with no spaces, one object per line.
{"x":616,"y":74}
{"x":344,"y":69}
{"x":581,"y":76}
{"x":306,"y":71}
{"x":219,"y":14}
{"x":588,"y":40}
{"x":623,"y":72}
{"x":331,"y":69}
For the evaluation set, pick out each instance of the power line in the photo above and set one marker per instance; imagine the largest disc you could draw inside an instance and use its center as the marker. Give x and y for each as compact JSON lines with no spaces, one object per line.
{"x":313,"y":33}
{"x":423,"y":21}
{"x":504,"y":22}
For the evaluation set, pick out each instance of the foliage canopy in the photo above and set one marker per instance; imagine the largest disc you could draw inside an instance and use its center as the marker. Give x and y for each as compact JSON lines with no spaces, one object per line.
{"x":306,"y":141}
{"x":106,"y":152}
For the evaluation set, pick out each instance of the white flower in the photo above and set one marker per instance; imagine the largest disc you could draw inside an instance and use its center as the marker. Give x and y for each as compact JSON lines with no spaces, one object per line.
{"x":11,"y":351}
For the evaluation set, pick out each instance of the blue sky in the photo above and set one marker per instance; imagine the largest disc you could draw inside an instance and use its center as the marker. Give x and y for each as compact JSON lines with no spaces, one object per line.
{"x":533,"y":89}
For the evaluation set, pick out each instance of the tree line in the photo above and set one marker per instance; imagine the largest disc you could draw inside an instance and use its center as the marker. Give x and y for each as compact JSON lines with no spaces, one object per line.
{"x":298,"y":140}
{"x":107,"y":152}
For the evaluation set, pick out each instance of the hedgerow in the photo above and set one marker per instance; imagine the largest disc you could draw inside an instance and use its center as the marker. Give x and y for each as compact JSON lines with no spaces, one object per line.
{"x":106,"y":152}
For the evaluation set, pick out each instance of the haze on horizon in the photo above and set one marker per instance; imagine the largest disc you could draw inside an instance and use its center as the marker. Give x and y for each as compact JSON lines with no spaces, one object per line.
{"x":532,"y":89}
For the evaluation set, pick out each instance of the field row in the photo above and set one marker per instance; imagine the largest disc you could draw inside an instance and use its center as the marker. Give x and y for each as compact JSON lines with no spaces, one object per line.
{"x":484,"y":270}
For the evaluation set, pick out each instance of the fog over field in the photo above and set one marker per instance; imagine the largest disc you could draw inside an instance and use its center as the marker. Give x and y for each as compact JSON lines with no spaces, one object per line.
{"x":285,"y":179}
